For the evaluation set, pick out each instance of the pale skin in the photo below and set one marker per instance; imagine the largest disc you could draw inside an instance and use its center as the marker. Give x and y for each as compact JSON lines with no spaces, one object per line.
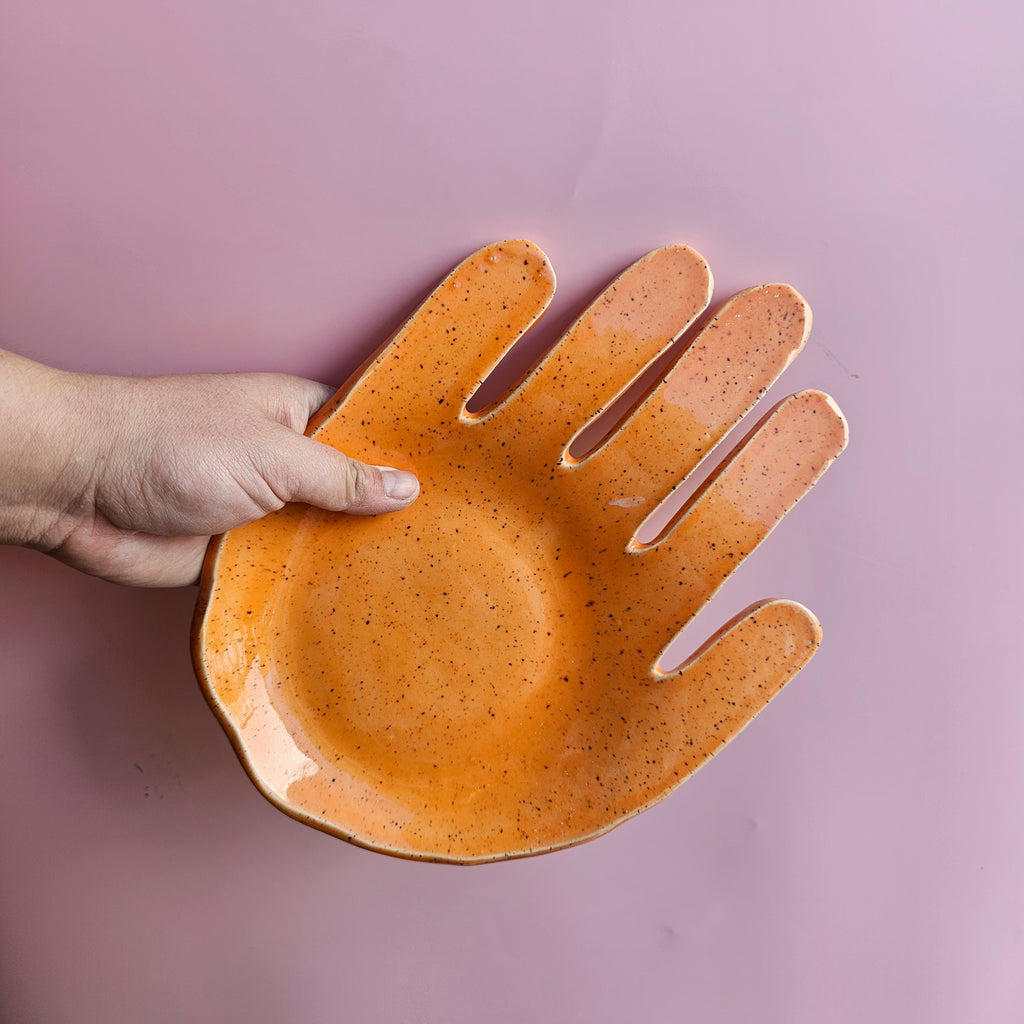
{"x":127,"y":478}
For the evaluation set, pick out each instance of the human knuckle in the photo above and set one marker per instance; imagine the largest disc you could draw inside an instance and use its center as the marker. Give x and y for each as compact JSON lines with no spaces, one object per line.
{"x":356,"y":483}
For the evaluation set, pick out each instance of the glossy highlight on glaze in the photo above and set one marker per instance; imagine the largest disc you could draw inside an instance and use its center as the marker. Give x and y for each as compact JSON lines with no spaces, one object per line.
{"x":478,"y":677}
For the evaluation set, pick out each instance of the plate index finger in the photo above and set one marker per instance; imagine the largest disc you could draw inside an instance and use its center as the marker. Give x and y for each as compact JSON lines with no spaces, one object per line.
{"x":421,"y":380}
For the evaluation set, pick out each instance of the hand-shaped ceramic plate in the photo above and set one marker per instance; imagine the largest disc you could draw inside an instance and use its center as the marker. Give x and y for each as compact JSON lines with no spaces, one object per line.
{"x":480,"y":676}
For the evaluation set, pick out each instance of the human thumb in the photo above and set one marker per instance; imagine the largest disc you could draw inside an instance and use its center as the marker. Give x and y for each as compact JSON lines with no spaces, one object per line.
{"x":321,"y":475}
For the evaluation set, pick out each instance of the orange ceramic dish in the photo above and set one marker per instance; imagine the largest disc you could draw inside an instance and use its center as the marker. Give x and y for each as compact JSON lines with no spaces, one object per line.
{"x":478,"y":677}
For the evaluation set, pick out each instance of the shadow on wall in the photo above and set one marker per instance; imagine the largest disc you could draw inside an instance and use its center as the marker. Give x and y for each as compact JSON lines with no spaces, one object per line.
{"x":109,"y":690}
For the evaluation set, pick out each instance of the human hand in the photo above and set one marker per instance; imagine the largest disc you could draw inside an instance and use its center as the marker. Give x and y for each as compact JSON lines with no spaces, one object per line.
{"x":127,"y":478}
{"x":483,"y":676}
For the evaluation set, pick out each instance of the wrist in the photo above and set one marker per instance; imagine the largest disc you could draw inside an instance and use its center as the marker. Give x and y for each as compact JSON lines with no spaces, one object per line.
{"x":43,"y":453}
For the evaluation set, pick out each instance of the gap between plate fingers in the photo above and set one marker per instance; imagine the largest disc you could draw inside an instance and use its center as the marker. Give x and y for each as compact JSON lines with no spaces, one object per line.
{"x":628,"y":326}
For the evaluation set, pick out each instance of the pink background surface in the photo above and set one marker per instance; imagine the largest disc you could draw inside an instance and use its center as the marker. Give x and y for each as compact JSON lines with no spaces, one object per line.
{"x":247,"y":185}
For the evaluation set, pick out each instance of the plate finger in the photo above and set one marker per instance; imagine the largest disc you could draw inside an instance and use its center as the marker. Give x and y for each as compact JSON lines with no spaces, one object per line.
{"x":420,"y":381}
{"x":726,"y":683}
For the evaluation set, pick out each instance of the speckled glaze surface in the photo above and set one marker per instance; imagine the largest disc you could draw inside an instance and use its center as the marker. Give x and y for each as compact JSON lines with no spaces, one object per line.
{"x":478,"y":677}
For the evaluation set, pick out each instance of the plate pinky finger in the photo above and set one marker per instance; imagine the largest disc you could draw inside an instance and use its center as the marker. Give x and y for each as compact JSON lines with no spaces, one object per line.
{"x":727,"y":682}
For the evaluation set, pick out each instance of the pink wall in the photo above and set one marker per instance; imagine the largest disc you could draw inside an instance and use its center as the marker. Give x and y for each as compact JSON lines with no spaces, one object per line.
{"x":248,"y":185}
